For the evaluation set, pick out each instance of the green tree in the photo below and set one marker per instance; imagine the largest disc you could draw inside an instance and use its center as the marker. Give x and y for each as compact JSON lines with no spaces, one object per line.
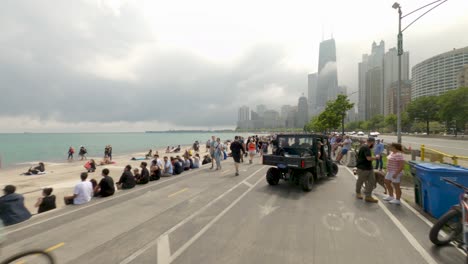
{"x":332,"y":116}
{"x":376,"y":122}
{"x":425,"y":109}
{"x":391,"y":122}
{"x":454,"y":107}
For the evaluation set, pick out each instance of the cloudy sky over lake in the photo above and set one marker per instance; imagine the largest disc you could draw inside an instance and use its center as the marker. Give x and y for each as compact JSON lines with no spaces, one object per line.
{"x":89,"y":65}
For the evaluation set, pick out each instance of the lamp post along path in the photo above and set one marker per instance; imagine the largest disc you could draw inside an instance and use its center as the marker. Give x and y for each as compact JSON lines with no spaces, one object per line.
{"x":400,"y":52}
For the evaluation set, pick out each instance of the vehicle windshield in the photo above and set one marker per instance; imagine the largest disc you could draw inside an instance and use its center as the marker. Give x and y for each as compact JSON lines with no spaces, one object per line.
{"x":295,"y":142}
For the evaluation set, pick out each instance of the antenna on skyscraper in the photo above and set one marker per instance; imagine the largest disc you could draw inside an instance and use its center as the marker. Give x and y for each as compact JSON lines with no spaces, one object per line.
{"x":322,"y":32}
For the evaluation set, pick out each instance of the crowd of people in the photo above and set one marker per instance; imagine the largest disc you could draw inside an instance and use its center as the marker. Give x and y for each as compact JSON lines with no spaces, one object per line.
{"x":369,"y":151}
{"x":12,"y":209}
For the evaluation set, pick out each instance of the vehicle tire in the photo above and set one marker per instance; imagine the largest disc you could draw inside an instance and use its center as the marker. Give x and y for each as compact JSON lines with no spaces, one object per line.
{"x":273,"y":176}
{"x":44,"y":256}
{"x":307,"y":181}
{"x":450,"y":220}
{"x":334,"y":170}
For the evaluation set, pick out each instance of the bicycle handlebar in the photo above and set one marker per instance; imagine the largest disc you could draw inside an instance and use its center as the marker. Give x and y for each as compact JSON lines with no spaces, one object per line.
{"x":456,"y":184}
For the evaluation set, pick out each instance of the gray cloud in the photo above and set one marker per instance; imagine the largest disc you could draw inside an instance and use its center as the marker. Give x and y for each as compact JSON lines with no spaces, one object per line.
{"x":48,"y":60}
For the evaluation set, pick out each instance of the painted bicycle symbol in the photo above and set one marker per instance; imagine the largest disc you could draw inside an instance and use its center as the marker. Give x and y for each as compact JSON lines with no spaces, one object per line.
{"x":339,"y":220}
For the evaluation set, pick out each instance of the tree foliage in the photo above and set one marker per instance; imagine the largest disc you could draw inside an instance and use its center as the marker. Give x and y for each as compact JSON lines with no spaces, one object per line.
{"x":332,"y":116}
{"x":453,"y":107}
{"x":425,"y":109}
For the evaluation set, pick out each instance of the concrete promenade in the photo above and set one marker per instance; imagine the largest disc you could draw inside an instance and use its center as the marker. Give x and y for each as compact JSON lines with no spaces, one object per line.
{"x":206,"y":216}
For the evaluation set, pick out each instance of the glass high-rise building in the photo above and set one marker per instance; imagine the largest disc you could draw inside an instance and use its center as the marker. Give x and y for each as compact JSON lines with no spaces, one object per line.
{"x":312,"y":93}
{"x":438,"y":74}
{"x":327,"y":79}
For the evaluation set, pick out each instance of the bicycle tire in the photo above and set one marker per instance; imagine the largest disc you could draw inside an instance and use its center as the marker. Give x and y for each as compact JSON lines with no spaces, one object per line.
{"x":14,"y":258}
{"x":443,"y":220}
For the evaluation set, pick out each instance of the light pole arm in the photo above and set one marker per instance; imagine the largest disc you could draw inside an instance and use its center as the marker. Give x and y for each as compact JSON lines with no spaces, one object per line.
{"x":443,"y":1}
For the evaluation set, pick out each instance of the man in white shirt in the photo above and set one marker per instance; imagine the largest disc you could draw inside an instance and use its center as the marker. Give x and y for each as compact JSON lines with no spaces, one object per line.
{"x":168,"y":171}
{"x":82,"y":193}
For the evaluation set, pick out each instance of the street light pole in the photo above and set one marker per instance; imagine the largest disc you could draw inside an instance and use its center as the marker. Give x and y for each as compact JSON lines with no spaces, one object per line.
{"x":400,"y":52}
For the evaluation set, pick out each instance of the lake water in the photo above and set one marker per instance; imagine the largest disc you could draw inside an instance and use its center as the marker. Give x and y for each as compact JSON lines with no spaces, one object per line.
{"x":17,"y":149}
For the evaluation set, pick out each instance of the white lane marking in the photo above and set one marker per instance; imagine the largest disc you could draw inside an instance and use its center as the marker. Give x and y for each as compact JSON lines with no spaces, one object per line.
{"x":211,"y":223}
{"x":269,"y":207}
{"x":411,"y":239}
{"x":164,"y":250}
{"x":107,"y":199}
{"x":181,"y":223}
{"x":247,"y":183}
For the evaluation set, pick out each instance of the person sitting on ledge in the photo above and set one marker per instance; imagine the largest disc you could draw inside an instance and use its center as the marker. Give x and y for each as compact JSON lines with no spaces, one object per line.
{"x":168,"y":169}
{"x":178,"y":168}
{"x":106,"y":186}
{"x":127,"y":180}
{"x":46,"y":202}
{"x":82,"y":193}
{"x":144,"y":175}
{"x":12,"y":209}
{"x":196,"y":161}
{"x":206,"y":160}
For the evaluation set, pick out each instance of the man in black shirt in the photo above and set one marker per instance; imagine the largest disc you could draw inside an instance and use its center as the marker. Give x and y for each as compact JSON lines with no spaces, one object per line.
{"x":236,"y":148}
{"x":365,"y":171}
{"x":144,"y":175}
{"x":106,"y":185}
{"x":127,"y":180}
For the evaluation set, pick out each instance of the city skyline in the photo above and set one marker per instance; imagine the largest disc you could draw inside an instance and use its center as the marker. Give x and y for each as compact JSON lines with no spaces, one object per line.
{"x":109,"y":65}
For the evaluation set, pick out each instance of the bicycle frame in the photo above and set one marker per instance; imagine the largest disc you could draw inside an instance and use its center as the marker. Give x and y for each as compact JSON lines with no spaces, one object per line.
{"x":464,"y":209}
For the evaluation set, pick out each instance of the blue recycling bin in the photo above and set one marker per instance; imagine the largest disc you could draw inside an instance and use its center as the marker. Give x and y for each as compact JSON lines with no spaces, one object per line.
{"x":437,"y":195}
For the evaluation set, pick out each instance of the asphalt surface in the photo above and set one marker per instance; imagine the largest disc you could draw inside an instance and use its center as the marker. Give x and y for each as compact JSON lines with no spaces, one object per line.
{"x":206,"y":216}
{"x":449,"y":146}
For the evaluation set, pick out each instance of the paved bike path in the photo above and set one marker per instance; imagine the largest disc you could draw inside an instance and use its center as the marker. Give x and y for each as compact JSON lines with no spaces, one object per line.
{"x":214,"y":217}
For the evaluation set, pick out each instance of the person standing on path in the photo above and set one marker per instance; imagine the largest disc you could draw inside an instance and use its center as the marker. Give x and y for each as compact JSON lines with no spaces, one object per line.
{"x":344,"y":150}
{"x":395,"y":165}
{"x":236,"y":148}
{"x":218,"y":153}
{"x":213,"y":145}
{"x":252,"y":146}
{"x":365,"y":171}
{"x":378,"y":151}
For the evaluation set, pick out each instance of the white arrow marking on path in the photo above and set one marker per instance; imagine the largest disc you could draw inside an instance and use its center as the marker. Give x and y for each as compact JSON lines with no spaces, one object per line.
{"x":268,"y":208}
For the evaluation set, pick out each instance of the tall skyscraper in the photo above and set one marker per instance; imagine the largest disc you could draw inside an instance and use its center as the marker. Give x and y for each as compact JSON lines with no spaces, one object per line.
{"x":327,"y":81}
{"x":391,"y":72}
{"x":371,"y":83}
{"x":312,"y":93}
{"x":261,"y":109}
{"x":363,"y":68}
{"x":243,"y":113}
{"x":285,"y":110}
{"x":302,"y":112}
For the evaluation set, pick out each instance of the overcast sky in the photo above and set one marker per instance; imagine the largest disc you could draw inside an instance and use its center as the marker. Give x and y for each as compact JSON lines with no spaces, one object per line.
{"x":89,"y":65}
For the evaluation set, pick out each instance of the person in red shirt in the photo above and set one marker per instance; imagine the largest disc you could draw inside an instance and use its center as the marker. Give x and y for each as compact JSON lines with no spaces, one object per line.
{"x":252,"y":147}
{"x":71,"y":151}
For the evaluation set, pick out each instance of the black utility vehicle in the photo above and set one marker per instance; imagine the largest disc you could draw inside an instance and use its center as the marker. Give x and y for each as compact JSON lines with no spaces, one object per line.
{"x":300,"y":159}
